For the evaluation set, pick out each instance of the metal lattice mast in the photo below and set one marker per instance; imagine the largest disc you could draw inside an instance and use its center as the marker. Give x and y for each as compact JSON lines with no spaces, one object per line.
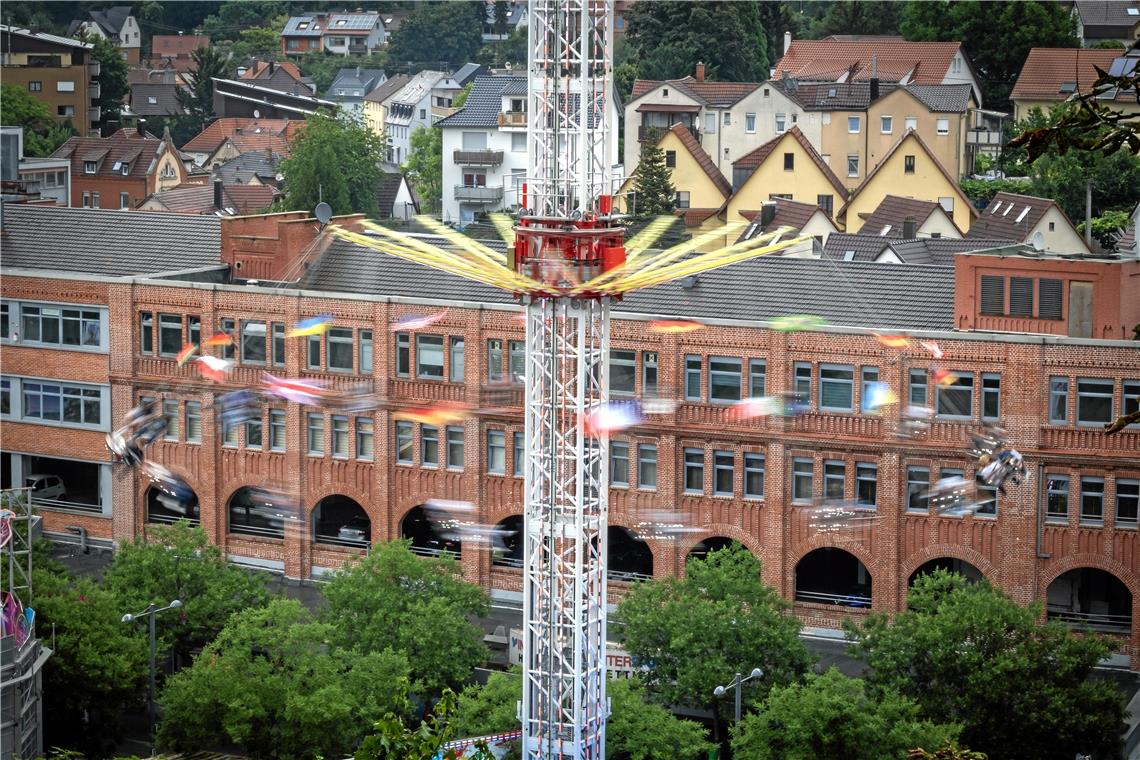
{"x":564,"y":704}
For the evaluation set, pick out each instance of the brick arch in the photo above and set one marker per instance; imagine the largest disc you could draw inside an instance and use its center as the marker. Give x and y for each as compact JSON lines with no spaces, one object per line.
{"x":656,"y":548}
{"x":1077,"y":561}
{"x":403,"y":506}
{"x":955,"y":551}
{"x":719,"y":529}
{"x":502,"y":513}
{"x":351,"y":493}
{"x":144,"y":485}
{"x":826,"y":541}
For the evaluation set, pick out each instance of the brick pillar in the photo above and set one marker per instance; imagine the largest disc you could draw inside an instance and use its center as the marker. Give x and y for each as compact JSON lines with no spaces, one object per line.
{"x":777,"y":568}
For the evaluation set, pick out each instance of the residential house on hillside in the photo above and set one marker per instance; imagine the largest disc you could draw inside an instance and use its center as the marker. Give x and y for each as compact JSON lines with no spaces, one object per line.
{"x":1053,"y":75}
{"x":176,"y":50}
{"x":216,"y":198}
{"x":1107,"y":20}
{"x":908,"y":169}
{"x":395,"y":198}
{"x":701,"y":189}
{"x":467,"y":72}
{"x":253,"y":168}
{"x":907,"y":218}
{"x":485,"y":149}
{"x":56,"y":71}
{"x":156,"y":98}
{"x":121,"y":170}
{"x":205,"y":146}
{"x":845,"y":246}
{"x":283,"y":77}
{"x":787,"y":167}
{"x":1021,"y":218}
{"x":234,"y":98}
{"x":799,"y":219}
{"x":409,"y":109}
{"x":857,"y":58}
{"x":342,"y":33}
{"x":374,"y":101}
{"x":351,"y":85}
{"x":516,"y":19}
{"x":115,"y":24}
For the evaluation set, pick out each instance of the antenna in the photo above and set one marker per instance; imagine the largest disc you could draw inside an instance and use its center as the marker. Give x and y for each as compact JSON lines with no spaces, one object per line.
{"x":323,"y":213}
{"x":1038,"y":241}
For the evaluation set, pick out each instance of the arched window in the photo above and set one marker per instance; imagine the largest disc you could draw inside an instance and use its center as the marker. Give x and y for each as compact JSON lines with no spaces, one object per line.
{"x":427,"y":539}
{"x":628,"y":559}
{"x":260,"y":512}
{"x":162,"y":507}
{"x":710,"y":544}
{"x":833,"y":576}
{"x":507,"y":543}
{"x":340,"y":521}
{"x":951,"y":564}
{"x":1093,"y":597}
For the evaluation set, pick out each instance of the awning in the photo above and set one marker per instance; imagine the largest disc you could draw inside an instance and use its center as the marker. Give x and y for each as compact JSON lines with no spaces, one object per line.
{"x":660,"y":108}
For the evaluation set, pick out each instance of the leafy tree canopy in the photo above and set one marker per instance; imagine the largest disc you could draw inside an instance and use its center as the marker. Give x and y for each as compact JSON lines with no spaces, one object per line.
{"x":437,"y":33}
{"x":322,"y":67}
{"x":232,"y":18}
{"x":424,"y":165}
{"x":179,"y":562}
{"x":855,"y":17}
{"x":997,"y":36}
{"x":113,"y":85}
{"x":696,"y":632}
{"x":316,"y":168}
{"x":392,"y":738}
{"x":969,"y":655}
{"x":271,"y":683}
{"x":831,"y":715}
{"x":262,"y":43}
{"x":417,"y":606}
{"x":42,"y":133}
{"x":668,"y":37}
{"x":652,"y":180}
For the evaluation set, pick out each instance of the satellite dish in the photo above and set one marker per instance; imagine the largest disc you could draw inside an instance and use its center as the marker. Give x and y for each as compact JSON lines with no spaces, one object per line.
{"x":256,"y":114}
{"x":323,"y":212}
{"x":1038,"y":241}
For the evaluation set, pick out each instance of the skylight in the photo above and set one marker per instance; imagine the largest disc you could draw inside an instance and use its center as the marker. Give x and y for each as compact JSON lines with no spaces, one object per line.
{"x":1133,"y":11}
{"x":1068,"y":86}
{"x":849,"y":255}
{"x":1021,"y":216}
{"x":886,"y":229}
{"x":303,"y":25}
{"x":997,"y":208}
{"x":1008,"y":209}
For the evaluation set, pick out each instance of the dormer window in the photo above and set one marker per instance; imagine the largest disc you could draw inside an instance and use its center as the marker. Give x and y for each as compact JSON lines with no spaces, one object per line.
{"x":152,"y":100}
{"x":518,"y":105}
{"x":126,"y":169}
{"x":303,"y":25}
{"x":341,"y":22}
{"x":90,"y":167}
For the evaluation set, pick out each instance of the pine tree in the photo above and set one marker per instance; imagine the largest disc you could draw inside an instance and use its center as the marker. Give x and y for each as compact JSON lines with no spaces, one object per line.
{"x":654,"y":192}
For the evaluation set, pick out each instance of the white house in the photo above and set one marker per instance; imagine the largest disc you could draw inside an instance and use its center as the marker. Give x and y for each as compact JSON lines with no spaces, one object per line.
{"x":114,"y":24}
{"x":411,"y":108}
{"x":358,"y":33}
{"x":485,"y":148}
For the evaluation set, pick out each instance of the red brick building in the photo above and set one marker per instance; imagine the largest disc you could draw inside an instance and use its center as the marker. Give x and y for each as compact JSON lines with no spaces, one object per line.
{"x":120,"y":171}
{"x":1068,"y":536}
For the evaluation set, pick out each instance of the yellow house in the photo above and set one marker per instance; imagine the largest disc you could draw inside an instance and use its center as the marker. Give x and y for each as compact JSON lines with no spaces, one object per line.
{"x":909,"y":169}
{"x":784,"y":167}
{"x":699,"y":184}
{"x":374,"y":102}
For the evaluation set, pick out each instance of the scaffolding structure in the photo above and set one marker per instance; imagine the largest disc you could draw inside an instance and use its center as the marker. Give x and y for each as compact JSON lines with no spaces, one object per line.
{"x":22,"y":655}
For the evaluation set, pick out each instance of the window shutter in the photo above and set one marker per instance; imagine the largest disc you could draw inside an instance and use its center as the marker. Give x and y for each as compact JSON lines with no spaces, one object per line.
{"x":1049,"y":293}
{"x":993,"y":294}
{"x":1021,"y":296}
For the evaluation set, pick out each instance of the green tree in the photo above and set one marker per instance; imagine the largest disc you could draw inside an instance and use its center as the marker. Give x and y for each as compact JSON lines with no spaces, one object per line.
{"x":652,"y":181}
{"x":490,"y":708}
{"x":668,"y":38}
{"x":852,"y":17}
{"x":271,"y":683}
{"x":97,"y":664}
{"x":198,"y":99}
{"x":322,"y":67}
{"x":969,"y":655}
{"x":393,"y":738}
{"x":831,"y":715}
{"x":179,"y":562}
{"x":231,"y":18}
{"x":1107,"y":227}
{"x":502,"y":15}
{"x":420,"y":607}
{"x":42,"y":133}
{"x":437,"y":33}
{"x":997,"y":36}
{"x":424,"y":165}
{"x":316,"y":168}
{"x":112,"y":79}
{"x":696,"y":632}
{"x":260,"y":42}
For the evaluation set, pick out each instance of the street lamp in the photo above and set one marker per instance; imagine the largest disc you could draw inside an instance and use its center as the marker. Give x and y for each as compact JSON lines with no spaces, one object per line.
{"x":149,"y":613}
{"x":739,"y":679}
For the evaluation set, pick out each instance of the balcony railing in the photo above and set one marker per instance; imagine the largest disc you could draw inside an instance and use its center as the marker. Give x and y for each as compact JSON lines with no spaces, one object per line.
{"x":94,"y":90}
{"x":1103,"y":623}
{"x":478,"y":194}
{"x":643,"y":132}
{"x":94,"y":115}
{"x":63,"y":505}
{"x":478,"y":157}
{"x":94,"y":69}
{"x":512,"y":119}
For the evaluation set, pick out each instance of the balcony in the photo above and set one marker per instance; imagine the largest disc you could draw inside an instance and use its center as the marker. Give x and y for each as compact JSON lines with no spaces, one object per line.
{"x":94,"y":90}
{"x":94,"y":115}
{"x":478,"y":157}
{"x":983,"y":137}
{"x":644,"y":131}
{"x":93,"y":69}
{"x":512,"y":119}
{"x":478,"y":194}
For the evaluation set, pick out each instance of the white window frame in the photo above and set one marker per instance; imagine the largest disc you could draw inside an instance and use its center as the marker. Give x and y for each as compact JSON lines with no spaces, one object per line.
{"x":856,"y":122}
{"x":886,"y":125}
{"x":849,"y":383}
{"x":1127,"y":488}
{"x":942,"y":127}
{"x":496,"y":452}
{"x":803,"y":473}
{"x":1097,"y":395}
{"x":722,"y":372}
{"x":1058,"y":391}
{"x":750,"y":123}
{"x":1088,"y":490}
{"x":619,"y":453}
{"x":646,"y":456}
{"x":1056,"y":484}
{"x":18,"y":385}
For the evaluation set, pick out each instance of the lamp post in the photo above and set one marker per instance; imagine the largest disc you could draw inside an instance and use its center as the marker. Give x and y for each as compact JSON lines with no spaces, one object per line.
{"x":736,"y":682}
{"x":149,"y":614}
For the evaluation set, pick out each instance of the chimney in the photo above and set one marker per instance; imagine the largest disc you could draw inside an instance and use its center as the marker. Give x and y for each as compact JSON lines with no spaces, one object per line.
{"x":169,"y":76}
{"x":272,"y":66}
{"x":874,"y":77}
{"x":140,"y":127}
{"x":787,"y":41}
{"x":700,"y":74}
{"x":358,"y":72}
{"x":910,"y":226}
{"x":218,"y":194}
{"x":767,"y":214}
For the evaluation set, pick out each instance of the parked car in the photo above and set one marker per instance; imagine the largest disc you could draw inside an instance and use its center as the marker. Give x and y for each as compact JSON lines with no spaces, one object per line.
{"x":47,"y":486}
{"x":355,"y":531}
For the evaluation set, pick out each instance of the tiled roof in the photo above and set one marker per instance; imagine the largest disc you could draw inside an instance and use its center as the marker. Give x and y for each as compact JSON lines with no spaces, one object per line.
{"x":792,"y":214}
{"x":483,"y":105}
{"x":387,"y":190}
{"x":892,"y":212}
{"x":259,"y":143}
{"x":942,"y":98}
{"x":697,"y":152}
{"x":712,"y":94}
{"x":865,"y":247}
{"x":1127,"y":239}
{"x":110,"y":153}
{"x":467,"y":72}
{"x":1012,"y":217}
{"x":418,"y":86}
{"x":760,"y":155}
{"x":104,"y":242}
{"x":199,"y":199}
{"x":248,"y":199}
{"x":51,"y":39}
{"x":517,"y":86}
{"x":356,"y":77}
{"x":312,"y":27}
{"x":387,"y":88}
{"x":240,"y":169}
{"x":856,"y":96}
{"x":695,"y":217}
{"x":1108,"y":12}
{"x":166,"y":101}
{"x":827,"y":59}
{"x":171,"y":45}
{"x":1046,"y":70}
{"x":110,"y":21}
{"x":934,"y":251}
{"x":208,"y":140}
{"x":854,"y":294}
{"x":910,"y":133}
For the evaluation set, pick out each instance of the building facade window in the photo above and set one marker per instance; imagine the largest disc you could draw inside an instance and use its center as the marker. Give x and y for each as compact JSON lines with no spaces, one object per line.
{"x":366,"y":352}
{"x":750,"y":123}
{"x":253,"y":342}
{"x":853,"y":125}
{"x":834,"y":479}
{"x":836,"y":387}
{"x":802,"y":382}
{"x":496,"y":452}
{"x":694,"y":471}
{"x":623,"y":371}
{"x":55,"y":402}
{"x":955,"y":398}
{"x":1056,"y":498}
{"x":853,"y":165}
{"x":253,"y":434}
{"x":403,"y":355}
{"x":429,"y":446}
{"x":803,"y":479}
{"x":886,"y":124}
{"x":316,"y":434}
{"x":338,"y":349}
{"x":519,"y":452}
{"x":649,"y":373}
{"x":619,"y":463}
{"x":516,"y":361}
{"x":1127,"y":502}
{"x":867,"y":484}
{"x":917,"y":486}
{"x":429,"y":357}
{"x":943,"y":126}
{"x":991,"y":396}
{"x":276,"y":429}
{"x":61,"y":326}
{"x":313,"y":352}
{"x":455,"y":356}
{"x":647,"y":466}
{"x":692,"y":378}
{"x":1058,"y":400}
{"x":169,"y":334}
{"x":753,"y":476}
{"x":340,"y":437}
{"x":723,"y":465}
{"x":172,"y":418}
{"x":1131,"y":398}
{"x":757,"y":378}
{"x":724,"y":380}
{"x":869,"y":376}
{"x":404,"y":445}
{"x":228,"y":326}
{"x":908,"y":164}
{"x":1092,"y":500}
{"x":1094,"y":401}
{"x":455,"y":448}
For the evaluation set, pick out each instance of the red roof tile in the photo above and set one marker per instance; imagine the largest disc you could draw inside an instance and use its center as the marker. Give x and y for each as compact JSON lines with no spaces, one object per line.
{"x":171,"y":45}
{"x":208,"y":140}
{"x":893,"y":211}
{"x":703,"y":160}
{"x":694,"y":217}
{"x":828,"y":59}
{"x":715,"y":94}
{"x":109,"y":153}
{"x":760,"y":155}
{"x":1046,"y":69}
